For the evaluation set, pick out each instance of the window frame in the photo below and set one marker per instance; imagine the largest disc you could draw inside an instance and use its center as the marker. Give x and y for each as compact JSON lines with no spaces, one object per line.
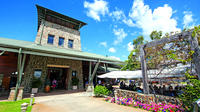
{"x":69,"y":44}
{"x":62,"y":42}
{"x":48,"y":42}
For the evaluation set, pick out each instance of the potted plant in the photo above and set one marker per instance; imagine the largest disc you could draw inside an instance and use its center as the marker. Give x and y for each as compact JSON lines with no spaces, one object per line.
{"x":75,"y":82}
{"x":47,"y":87}
{"x":36,"y":83}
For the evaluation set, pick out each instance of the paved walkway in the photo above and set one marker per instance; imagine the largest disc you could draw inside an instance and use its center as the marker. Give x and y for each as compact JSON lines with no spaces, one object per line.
{"x":77,"y":102}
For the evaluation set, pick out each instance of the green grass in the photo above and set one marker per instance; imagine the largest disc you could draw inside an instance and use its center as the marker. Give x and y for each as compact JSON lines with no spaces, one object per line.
{"x":11,"y":106}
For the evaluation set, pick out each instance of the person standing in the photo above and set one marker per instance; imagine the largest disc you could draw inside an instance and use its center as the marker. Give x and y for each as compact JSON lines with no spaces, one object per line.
{"x":54,"y":83}
{"x":99,"y":82}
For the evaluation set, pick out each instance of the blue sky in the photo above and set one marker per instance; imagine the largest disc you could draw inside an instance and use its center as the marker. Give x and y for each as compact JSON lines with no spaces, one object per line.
{"x":112,"y":24}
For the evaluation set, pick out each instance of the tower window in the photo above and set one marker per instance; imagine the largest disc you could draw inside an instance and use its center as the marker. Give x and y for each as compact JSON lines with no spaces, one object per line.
{"x":70,"y":43}
{"x":61,"y":41}
{"x":50,"y":39}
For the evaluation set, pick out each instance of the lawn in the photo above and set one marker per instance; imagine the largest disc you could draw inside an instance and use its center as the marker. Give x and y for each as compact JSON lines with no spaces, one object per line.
{"x":11,"y":106}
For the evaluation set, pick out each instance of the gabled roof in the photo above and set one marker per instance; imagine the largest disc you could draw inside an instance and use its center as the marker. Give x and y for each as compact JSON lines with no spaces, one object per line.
{"x":51,"y":51}
{"x":44,"y":12}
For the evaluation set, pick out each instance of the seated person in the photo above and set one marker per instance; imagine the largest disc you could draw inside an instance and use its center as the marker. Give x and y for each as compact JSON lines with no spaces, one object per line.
{"x":138,"y":89}
{"x":122,"y":85}
{"x":171,"y":92}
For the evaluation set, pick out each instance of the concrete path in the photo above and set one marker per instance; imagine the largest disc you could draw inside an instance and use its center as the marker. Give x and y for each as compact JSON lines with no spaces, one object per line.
{"x":77,"y":102}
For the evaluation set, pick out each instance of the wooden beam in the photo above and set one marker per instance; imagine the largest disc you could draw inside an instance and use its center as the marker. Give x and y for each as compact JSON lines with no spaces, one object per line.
{"x":18,"y":70}
{"x":2,"y":53}
{"x":144,"y":70}
{"x":105,"y":68}
{"x":196,"y":56}
{"x":91,"y":77}
{"x":90,"y":69}
{"x":94,"y":72}
{"x":22,"y":69}
{"x":167,"y":40}
{"x":90,"y":88}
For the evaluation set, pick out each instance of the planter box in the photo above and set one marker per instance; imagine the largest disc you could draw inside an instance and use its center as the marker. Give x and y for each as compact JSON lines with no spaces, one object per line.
{"x":74,"y":87}
{"x":34,"y":90}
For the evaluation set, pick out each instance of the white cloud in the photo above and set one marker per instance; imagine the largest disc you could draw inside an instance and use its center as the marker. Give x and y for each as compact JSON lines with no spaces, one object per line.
{"x":117,"y":14}
{"x":129,"y":22}
{"x":187,"y":19}
{"x":114,"y":57}
{"x":120,"y":35}
{"x":112,"y":50}
{"x":120,"y":16}
{"x":148,"y":20}
{"x":96,"y":9}
{"x":130,"y":46}
{"x":103,"y":44}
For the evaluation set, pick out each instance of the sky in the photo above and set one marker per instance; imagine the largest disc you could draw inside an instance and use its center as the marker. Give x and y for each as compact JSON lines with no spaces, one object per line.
{"x":111,"y":24}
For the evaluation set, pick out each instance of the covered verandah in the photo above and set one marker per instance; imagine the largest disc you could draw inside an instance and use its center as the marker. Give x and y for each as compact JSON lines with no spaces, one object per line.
{"x":23,"y":50}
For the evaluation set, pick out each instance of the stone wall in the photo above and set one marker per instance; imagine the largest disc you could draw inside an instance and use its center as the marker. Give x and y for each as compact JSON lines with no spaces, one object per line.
{"x":147,"y":99}
{"x":40,"y":62}
{"x":59,"y":31}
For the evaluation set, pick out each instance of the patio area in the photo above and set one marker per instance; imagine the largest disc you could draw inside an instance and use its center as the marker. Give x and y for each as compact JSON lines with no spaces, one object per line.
{"x":77,"y":102}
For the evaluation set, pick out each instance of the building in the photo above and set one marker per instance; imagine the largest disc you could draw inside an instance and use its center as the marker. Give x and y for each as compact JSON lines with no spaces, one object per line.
{"x":55,"y":54}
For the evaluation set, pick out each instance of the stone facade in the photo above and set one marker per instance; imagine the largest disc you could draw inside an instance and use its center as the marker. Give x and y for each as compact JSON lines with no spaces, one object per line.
{"x":147,"y":99}
{"x":59,"y":31}
{"x":41,"y":62}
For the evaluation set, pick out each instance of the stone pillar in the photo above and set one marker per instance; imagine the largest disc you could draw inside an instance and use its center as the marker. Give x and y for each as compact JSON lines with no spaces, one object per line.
{"x":90,"y":88}
{"x":115,"y":94}
{"x":12,"y":94}
{"x":19,"y":94}
{"x":32,"y":96}
{"x":24,"y":107}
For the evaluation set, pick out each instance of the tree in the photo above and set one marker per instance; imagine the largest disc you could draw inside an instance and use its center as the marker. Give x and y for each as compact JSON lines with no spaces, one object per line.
{"x":138,"y":41}
{"x":133,"y":62}
{"x":191,"y":92}
{"x":156,"y":35}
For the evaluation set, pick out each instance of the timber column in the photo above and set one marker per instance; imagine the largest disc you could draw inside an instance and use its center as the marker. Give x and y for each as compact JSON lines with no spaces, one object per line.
{"x":91,"y":77}
{"x":196,"y":56}
{"x":144,"y":70}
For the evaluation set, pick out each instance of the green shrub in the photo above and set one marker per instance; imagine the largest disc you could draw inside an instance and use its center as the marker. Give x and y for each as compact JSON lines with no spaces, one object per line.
{"x":101,"y":90}
{"x":75,"y":81}
{"x":191,"y":92}
{"x":36,"y":83}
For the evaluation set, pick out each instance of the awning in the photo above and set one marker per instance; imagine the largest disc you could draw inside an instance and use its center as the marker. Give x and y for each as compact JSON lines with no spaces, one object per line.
{"x":165,"y":73}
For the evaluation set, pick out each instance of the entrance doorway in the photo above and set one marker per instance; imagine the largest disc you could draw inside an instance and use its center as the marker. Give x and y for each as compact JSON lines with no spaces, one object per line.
{"x":57,"y":77}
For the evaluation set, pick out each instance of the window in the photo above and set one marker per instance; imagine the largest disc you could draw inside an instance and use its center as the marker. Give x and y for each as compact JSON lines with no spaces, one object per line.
{"x":50,"y":39}
{"x":61,"y":41}
{"x":37,"y":73}
{"x":74,"y":73}
{"x":70,"y":43}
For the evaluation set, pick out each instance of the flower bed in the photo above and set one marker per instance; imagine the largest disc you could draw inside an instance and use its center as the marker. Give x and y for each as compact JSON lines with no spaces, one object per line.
{"x":146,"y":99}
{"x":149,"y":107}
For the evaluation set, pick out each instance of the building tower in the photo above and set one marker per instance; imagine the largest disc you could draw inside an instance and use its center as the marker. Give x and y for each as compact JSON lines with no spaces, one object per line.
{"x":58,"y":30}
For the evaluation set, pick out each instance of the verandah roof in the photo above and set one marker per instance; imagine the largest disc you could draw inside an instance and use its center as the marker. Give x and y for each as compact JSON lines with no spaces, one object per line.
{"x":13,"y":45}
{"x":178,"y":71}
